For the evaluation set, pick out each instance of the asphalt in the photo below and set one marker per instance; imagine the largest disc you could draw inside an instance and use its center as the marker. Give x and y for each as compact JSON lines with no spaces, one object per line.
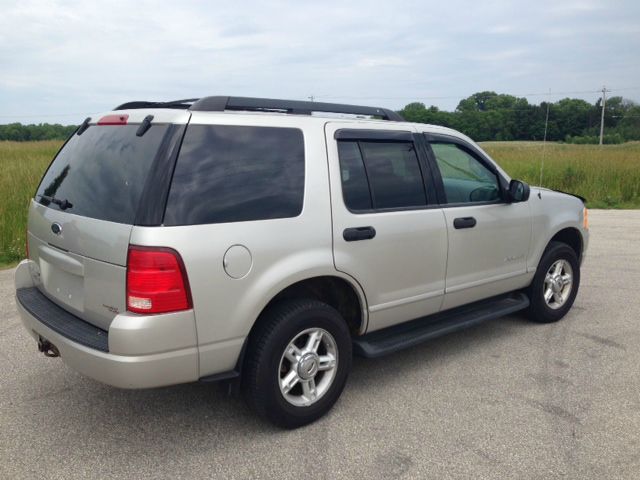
{"x":506,"y":399}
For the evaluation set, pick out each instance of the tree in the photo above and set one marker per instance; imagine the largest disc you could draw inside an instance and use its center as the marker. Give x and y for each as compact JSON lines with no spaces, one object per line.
{"x":43,"y":131}
{"x":491,"y":116}
{"x":476,"y":102}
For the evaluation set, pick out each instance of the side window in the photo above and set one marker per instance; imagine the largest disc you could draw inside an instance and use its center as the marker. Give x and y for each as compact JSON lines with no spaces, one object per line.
{"x":380,"y":175}
{"x":355,"y":186}
{"x":465,"y":178}
{"x":236,"y":173}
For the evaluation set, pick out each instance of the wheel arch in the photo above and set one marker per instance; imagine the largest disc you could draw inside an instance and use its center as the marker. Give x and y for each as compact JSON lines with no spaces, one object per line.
{"x":343,"y":294}
{"x":570,"y":236}
{"x":566,"y":233}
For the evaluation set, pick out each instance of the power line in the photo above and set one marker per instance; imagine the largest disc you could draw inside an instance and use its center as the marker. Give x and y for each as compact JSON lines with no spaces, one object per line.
{"x":349,"y":97}
{"x":623,"y":89}
{"x":447,"y":97}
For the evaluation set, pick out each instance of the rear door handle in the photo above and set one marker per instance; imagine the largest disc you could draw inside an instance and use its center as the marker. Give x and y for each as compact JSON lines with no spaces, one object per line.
{"x":358,"y":233}
{"x":464,"y":222}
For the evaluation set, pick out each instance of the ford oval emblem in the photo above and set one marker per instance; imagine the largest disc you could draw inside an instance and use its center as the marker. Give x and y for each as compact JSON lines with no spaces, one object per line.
{"x":56,"y":228}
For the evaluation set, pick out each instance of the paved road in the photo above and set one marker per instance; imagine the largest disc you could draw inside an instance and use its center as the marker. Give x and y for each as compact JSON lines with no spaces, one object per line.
{"x":507,"y":399}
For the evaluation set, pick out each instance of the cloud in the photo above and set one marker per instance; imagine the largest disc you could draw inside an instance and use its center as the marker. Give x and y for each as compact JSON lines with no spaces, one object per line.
{"x":500,"y":29}
{"x":58,"y":58}
{"x":500,"y":56}
{"x":382,"y":62}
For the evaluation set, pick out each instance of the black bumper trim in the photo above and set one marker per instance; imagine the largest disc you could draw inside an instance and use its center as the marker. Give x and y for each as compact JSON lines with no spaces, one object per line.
{"x":61,"y":321}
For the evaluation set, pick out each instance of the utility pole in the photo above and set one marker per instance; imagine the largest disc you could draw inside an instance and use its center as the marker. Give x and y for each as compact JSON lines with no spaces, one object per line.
{"x":604,"y":100}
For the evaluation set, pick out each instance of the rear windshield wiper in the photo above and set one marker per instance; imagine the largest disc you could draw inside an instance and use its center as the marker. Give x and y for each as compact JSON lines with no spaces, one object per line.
{"x":144,"y":126}
{"x":83,"y":126}
{"x":63,"y":204}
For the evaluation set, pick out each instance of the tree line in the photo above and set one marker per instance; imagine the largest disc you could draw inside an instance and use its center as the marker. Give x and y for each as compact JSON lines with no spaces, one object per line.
{"x":42,"y":131}
{"x":486,"y":116}
{"x":482,"y":116}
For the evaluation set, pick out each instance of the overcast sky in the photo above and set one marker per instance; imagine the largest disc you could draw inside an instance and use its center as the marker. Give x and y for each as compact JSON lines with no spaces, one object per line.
{"x":61,"y":61}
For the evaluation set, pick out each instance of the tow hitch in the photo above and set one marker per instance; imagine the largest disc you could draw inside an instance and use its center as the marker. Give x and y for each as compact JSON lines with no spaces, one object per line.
{"x":46,"y":347}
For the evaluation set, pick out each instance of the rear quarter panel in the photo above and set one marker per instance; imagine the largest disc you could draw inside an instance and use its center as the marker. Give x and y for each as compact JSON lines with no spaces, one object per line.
{"x":283,"y":251}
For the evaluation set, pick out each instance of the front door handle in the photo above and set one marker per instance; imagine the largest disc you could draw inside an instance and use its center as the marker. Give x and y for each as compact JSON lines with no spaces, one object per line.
{"x":464,"y":222}
{"x":358,"y":233}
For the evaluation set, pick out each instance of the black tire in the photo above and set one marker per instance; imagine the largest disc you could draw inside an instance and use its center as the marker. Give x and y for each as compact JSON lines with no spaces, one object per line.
{"x":538,"y":310}
{"x":261,"y":376}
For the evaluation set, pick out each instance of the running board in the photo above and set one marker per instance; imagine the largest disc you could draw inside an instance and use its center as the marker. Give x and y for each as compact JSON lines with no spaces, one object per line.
{"x":405,"y":335}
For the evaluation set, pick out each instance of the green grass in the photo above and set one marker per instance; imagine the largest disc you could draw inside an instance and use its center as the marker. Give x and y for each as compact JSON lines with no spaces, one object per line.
{"x":21,"y":167}
{"x":609,"y":177}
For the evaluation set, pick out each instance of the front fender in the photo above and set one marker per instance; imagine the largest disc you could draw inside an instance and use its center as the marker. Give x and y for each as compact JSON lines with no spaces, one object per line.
{"x":552,"y":212}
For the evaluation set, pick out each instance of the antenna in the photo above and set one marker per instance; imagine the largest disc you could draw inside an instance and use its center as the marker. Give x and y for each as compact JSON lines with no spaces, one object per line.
{"x":544,"y":140}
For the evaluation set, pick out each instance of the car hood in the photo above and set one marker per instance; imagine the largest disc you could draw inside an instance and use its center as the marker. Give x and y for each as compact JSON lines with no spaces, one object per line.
{"x":584,"y":200}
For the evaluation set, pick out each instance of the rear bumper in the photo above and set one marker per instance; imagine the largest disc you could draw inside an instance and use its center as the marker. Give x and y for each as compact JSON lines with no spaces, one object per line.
{"x":139,"y":351}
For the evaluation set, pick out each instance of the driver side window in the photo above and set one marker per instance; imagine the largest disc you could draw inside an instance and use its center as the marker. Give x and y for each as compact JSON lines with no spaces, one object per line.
{"x":465,"y":178}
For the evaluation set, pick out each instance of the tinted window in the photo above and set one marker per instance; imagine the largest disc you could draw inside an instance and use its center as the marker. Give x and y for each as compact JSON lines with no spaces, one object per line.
{"x":466,"y":179}
{"x":102,"y":172}
{"x":355,"y":187}
{"x":237,"y":173}
{"x":394,"y":174}
{"x":391,"y":170}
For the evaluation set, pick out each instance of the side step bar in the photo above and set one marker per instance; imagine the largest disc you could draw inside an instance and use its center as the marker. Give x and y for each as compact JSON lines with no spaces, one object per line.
{"x":405,"y":335}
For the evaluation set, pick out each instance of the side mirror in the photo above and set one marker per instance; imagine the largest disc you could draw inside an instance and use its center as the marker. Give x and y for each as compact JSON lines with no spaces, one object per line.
{"x":518,"y":191}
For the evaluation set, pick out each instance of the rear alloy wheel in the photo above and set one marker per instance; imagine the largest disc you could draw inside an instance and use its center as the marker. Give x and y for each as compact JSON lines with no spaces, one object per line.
{"x":308,"y":367}
{"x":555,"y":284}
{"x":298,"y":360}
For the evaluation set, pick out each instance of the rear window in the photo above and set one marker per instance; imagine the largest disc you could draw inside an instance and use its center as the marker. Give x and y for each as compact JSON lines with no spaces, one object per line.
{"x":237,"y":173}
{"x":102,"y":172}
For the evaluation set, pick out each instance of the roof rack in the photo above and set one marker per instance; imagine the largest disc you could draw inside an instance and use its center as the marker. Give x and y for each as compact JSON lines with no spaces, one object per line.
{"x":181,"y":104}
{"x":220,"y":104}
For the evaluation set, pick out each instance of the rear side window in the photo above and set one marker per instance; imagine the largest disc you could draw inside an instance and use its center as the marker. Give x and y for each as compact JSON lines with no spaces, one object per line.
{"x":380,"y":175}
{"x":101,"y":173}
{"x":355,"y":186}
{"x":235,"y":174}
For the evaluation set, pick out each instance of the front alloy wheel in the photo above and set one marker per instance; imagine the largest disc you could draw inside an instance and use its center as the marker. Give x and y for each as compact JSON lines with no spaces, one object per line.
{"x":555,"y":284}
{"x":558,"y":283}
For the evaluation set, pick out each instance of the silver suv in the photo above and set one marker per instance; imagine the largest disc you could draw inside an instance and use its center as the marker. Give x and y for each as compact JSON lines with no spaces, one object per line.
{"x":263,"y":242}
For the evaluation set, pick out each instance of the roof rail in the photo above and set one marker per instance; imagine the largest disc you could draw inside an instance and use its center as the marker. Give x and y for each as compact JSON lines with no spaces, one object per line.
{"x":186,"y":103}
{"x":220,"y":104}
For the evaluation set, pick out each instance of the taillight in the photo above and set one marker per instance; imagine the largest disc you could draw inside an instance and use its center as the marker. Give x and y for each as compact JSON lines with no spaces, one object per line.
{"x":156,"y":281}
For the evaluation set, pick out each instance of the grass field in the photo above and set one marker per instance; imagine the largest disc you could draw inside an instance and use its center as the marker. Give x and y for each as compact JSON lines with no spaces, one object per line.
{"x":609,"y":177}
{"x":21,"y":167}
